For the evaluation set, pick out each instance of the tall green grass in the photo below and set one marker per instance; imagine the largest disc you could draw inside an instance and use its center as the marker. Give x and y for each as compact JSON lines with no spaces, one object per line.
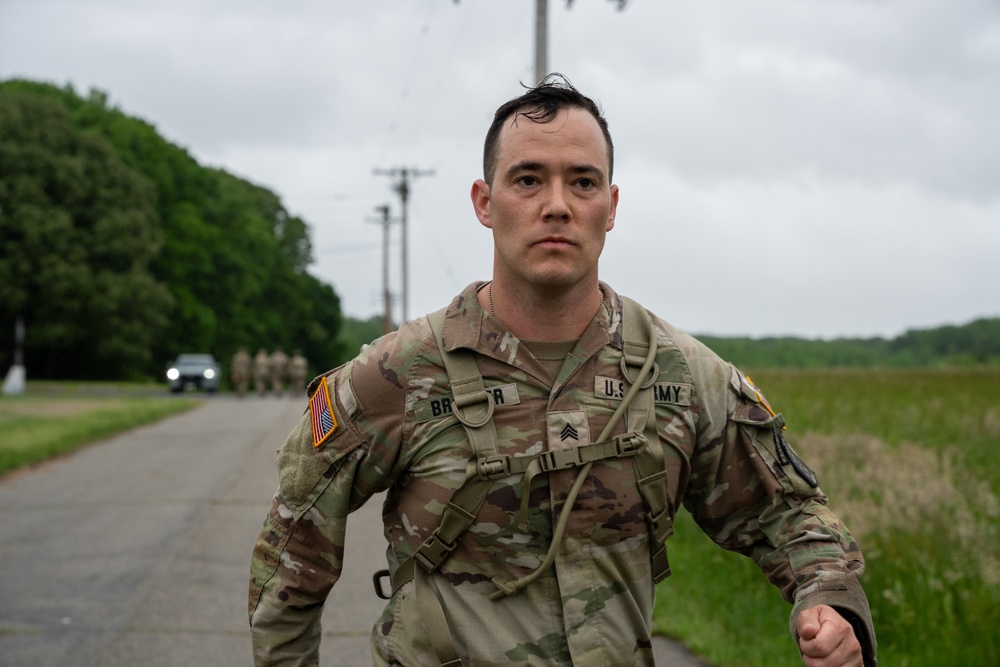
{"x":911,"y":461}
{"x":54,"y":418}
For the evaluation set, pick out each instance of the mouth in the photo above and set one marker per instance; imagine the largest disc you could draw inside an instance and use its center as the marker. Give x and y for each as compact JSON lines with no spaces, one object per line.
{"x":554,"y":242}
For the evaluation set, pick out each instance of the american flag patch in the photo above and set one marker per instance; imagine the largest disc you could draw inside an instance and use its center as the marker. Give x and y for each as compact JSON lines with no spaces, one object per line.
{"x":324,"y":423}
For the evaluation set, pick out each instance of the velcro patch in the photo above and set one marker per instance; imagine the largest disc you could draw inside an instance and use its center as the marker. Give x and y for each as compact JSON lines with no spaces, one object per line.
{"x":324,"y":422}
{"x":673,"y":393}
{"x":568,"y":429}
{"x":433,"y":408}
{"x":347,"y":397}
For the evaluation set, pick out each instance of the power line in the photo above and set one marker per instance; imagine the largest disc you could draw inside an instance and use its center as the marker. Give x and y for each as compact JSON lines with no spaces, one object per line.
{"x":356,"y":247}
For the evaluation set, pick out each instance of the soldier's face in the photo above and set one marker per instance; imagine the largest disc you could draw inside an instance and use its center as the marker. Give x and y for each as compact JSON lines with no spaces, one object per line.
{"x":551,"y":202}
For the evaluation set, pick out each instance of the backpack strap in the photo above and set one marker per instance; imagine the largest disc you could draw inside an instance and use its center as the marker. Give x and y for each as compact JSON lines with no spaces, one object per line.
{"x":473,"y":407}
{"x":649,"y":462}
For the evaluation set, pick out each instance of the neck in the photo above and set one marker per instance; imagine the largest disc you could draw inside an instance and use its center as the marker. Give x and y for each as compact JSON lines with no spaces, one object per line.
{"x":543,"y":315}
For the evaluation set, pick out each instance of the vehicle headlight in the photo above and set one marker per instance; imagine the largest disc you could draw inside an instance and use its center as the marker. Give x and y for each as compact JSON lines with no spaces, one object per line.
{"x":173,"y":374}
{"x":209,"y":374}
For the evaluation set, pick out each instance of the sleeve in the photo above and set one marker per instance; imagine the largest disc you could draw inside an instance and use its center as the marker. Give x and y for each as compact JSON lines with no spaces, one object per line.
{"x":329,"y":465}
{"x":752,"y":494}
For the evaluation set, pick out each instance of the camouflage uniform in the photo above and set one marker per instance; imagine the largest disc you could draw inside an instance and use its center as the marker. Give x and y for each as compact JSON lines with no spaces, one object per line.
{"x":261,"y":371}
{"x":297,"y":367}
{"x":394,"y":431}
{"x":279,"y":371}
{"x":240,"y":371}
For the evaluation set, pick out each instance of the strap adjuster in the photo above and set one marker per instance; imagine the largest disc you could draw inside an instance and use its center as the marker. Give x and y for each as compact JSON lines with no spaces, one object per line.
{"x":493,"y":467}
{"x":660,"y":525}
{"x":629,"y":444}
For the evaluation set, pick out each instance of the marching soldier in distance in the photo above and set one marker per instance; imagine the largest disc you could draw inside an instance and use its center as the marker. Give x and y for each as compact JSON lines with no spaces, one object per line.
{"x":239,"y":371}
{"x":297,"y":369}
{"x":261,"y":372}
{"x":536,"y":438}
{"x":279,"y":371}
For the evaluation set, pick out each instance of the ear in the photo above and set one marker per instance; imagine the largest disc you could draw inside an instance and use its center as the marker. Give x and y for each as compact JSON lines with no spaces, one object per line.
{"x":614,"y":208}
{"x":481,"y":202}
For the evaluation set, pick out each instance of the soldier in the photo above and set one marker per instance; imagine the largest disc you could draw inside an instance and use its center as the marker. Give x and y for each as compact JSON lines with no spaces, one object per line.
{"x":297,"y":368}
{"x":239,"y":371}
{"x":279,"y":371}
{"x":261,"y":371}
{"x":536,"y":438}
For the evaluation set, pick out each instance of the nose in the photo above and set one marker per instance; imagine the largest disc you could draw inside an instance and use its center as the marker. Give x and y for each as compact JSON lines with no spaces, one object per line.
{"x":556,"y":205}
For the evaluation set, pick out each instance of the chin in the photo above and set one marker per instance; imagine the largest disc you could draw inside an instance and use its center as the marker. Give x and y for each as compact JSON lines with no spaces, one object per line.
{"x":556,"y":281}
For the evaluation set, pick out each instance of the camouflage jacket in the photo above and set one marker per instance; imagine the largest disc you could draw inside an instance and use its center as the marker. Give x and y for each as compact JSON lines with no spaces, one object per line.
{"x":392,"y":430}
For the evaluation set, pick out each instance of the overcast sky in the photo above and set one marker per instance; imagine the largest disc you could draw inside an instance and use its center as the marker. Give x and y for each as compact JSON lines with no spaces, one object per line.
{"x":819,"y":168}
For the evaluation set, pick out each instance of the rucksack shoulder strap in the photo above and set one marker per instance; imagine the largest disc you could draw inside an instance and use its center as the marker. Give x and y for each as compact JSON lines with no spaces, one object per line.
{"x":471,"y":403}
{"x":473,"y":407}
{"x":639,"y":335}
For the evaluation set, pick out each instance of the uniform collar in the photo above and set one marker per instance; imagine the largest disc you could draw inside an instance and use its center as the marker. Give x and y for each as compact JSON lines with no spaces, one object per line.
{"x":468,"y":325}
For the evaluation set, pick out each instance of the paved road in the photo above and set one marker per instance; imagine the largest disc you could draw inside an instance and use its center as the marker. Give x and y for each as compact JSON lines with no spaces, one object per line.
{"x":135,"y":551}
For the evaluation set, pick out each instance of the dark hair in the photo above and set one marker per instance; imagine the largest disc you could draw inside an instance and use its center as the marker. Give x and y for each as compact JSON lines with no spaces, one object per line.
{"x":541,"y":104}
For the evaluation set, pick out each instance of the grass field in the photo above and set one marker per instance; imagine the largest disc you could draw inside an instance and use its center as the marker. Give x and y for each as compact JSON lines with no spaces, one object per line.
{"x":911,"y":461}
{"x":51,"y":418}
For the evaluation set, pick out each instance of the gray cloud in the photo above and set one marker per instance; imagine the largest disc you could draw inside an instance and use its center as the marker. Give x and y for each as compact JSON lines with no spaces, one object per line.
{"x":816,"y":168}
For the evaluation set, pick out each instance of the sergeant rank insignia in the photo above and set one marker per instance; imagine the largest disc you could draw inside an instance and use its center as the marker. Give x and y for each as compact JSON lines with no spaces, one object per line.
{"x":324,"y":423}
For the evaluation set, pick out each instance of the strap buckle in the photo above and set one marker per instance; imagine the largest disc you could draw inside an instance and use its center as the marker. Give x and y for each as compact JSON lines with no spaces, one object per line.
{"x":493,"y":467}
{"x":433,"y":552}
{"x":559,"y":459}
{"x":629,"y":444}
{"x":661,"y":525}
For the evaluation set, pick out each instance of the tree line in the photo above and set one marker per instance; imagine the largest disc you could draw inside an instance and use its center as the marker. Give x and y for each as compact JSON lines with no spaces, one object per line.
{"x":120,"y":251}
{"x":972,"y":344}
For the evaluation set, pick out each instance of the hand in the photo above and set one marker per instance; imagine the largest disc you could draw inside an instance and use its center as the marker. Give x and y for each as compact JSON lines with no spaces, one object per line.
{"x":826,"y":639}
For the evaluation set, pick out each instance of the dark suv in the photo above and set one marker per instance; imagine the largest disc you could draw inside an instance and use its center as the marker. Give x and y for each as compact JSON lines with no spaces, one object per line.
{"x":193,"y":370}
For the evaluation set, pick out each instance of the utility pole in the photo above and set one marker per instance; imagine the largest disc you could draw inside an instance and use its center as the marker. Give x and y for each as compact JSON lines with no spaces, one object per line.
{"x":542,"y":39}
{"x":385,"y":221}
{"x":402,"y":188}
{"x":542,"y":34}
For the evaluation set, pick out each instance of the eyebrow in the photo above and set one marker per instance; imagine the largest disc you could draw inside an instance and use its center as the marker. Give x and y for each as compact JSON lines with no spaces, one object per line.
{"x":528,"y":165}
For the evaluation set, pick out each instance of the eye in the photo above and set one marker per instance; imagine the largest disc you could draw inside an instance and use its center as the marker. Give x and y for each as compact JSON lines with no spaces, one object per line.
{"x":586,"y":183}
{"x":527,"y":180}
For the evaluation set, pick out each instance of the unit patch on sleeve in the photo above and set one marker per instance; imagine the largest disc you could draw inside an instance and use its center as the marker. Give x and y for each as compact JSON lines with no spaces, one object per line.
{"x":752,"y":393}
{"x":324,"y":422}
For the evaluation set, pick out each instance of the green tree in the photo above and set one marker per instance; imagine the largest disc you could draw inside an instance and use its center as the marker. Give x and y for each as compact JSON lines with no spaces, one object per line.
{"x":227,"y":261}
{"x":356,"y":333}
{"x":79,"y":230}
